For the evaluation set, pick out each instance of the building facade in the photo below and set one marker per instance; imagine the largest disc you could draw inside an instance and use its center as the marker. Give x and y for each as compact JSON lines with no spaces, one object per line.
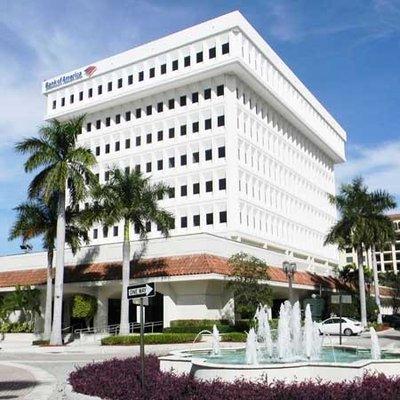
{"x":248,"y":153}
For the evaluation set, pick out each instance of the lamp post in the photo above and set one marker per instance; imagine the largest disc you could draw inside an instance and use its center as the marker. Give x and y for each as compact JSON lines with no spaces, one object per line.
{"x":290,"y":268}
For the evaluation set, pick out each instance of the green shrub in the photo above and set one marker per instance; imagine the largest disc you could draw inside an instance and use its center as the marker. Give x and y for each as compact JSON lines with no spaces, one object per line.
{"x":149,"y":338}
{"x":40,"y":342}
{"x":198,"y":325}
{"x":84,"y":307}
{"x":234,"y":337}
{"x":16,"y":327}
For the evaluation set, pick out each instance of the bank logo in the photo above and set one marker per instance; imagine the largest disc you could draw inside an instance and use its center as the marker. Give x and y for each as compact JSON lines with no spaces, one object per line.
{"x":89,"y":71}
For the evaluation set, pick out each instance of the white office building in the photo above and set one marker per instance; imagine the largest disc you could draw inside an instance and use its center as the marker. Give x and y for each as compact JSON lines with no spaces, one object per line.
{"x":249,"y":154}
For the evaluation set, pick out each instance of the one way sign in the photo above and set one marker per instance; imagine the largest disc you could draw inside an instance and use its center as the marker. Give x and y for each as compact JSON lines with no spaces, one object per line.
{"x":141,"y":291}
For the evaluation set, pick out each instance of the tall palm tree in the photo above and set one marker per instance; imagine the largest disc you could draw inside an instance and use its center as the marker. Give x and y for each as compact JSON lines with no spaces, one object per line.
{"x":56,"y":155}
{"x":37,"y":217}
{"x":132,"y":198}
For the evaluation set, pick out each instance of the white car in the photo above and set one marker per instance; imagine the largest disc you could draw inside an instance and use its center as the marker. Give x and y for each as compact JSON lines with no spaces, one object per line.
{"x":331,"y":326}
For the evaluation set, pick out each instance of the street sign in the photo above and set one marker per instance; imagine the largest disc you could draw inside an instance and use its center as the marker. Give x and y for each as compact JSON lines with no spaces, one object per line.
{"x":141,"y":291}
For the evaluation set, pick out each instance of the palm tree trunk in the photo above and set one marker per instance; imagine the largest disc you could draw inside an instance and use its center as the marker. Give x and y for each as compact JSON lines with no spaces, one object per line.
{"x":361,"y":287}
{"x":126,"y":254}
{"x":49,"y":296}
{"x":56,"y":333}
{"x":376,"y":284}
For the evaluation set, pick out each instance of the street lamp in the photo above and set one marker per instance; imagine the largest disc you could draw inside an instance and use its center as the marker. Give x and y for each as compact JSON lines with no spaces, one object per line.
{"x":289,"y":268}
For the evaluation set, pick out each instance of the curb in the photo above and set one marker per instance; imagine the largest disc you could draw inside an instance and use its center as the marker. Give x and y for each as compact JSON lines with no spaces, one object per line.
{"x":72,"y":395}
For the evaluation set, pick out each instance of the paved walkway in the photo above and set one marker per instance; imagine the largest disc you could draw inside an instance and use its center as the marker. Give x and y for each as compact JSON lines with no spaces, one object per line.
{"x":15,"y":382}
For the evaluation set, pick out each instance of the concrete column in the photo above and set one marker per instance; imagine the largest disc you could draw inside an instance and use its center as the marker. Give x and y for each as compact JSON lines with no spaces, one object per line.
{"x":101,"y":317}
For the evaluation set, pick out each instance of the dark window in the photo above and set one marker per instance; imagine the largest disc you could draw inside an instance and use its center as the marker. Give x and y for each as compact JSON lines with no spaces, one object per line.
{"x":183,"y":222}
{"x":141,"y":76}
{"x":127,"y":143}
{"x":97,"y":150}
{"x":183,"y":159}
{"x":209,"y":218}
{"x":186,"y":61}
{"x":208,"y":154}
{"x":130,"y":79}
{"x":171,"y":133}
{"x":174,"y":65}
{"x":138,"y":140}
{"x":127,"y":170}
{"x":196,"y":188}
{"x":196,"y":157}
{"x":199,"y":57}
{"x":118,"y":119}
{"x":88,"y":127}
{"x":99,"y":89}
{"x":148,"y":138}
{"x":163,"y":69}
{"x":196,"y":220}
{"x":115,"y":230}
{"x":119,"y":83}
{"x":171,"y":104}
{"x":182,"y":101}
{"x":90,"y":92}
{"x":71,"y":98}
{"x":152,"y":72}
{"x":171,"y":162}
{"x":117,"y":146}
{"x":207,"y":124}
{"x":183,"y":130}
{"x":105,"y":231}
{"x":160,"y":165}
{"x":183,"y":190}
{"x":107,"y":149}
{"x":222,"y":217}
{"x":138,"y":112}
{"x":220,"y":90}
{"x":137,"y":167}
{"x":148,"y":167}
{"x":128,"y":116}
{"x":221,"y":152}
{"x":195,"y":127}
{"x":109,"y":86}
{"x":171,"y":192}
{"x":160,"y":106}
{"x":225,"y":48}
{"x":95,"y":233}
{"x":137,"y":228}
{"x":98,"y":124}
{"x":207,"y":94}
{"x":107,"y":176}
{"x":160,"y":135}
{"x":63,"y":102}
{"x":54,"y":104}
{"x":195,"y":97}
{"x":149,"y":110}
{"x":108,"y":121}
{"x":80,"y":96}
{"x":148,"y":226}
{"x":209,"y":186}
{"x":212,"y":52}
{"x":221,"y":120}
{"x":222,"y":184}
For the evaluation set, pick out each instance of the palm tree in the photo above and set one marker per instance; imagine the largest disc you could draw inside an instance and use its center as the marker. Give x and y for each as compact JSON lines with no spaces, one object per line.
{"x":60,"y":161}
{"x":37,"y":217}
{"x":131,"y":198}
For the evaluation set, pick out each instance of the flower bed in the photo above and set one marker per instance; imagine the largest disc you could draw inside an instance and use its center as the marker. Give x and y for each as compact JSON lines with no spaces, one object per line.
{"x":120,"y":380}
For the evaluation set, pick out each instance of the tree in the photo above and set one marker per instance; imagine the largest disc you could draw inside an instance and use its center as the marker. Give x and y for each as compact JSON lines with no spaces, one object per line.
{"x":84,"y":307}
{"x":131,"y":198}
{"x":38,"y":217}
{"x":392,"y":280}
{"x":61,"y":161}
{"x":249,"y":285}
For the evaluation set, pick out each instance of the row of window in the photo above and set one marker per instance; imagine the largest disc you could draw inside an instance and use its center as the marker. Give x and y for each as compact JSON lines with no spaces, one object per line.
{"x":212,"y":53}
{"x":159,"y":107}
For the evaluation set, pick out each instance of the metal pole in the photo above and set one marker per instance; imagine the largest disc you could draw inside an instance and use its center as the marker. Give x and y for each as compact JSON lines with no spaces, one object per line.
{"x":142,"y":341}
{"x":290,"y":289}
{"x":340,"y":316}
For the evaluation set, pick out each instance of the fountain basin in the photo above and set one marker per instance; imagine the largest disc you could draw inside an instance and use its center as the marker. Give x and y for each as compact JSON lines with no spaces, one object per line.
{"x":351,"y":362}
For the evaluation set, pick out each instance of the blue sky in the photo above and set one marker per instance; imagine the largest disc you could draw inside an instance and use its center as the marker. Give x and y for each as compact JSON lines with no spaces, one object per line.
{"x":346,"y":52}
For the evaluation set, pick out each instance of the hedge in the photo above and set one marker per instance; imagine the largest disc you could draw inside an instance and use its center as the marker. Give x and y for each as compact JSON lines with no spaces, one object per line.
{"x":149,"y":338}
{"x":198,"y":325}
{"x":16,"y":327}
{"x":234,"y":337}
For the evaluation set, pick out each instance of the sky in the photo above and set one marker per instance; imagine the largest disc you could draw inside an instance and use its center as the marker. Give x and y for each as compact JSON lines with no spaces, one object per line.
{"x":346,"y":52}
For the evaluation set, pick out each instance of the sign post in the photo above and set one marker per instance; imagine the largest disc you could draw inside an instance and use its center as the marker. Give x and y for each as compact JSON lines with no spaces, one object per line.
{"x":141,"y":292}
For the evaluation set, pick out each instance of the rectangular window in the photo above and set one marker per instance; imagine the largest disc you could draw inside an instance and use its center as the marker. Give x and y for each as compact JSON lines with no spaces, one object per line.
{"x":117,"y":146}
{"x":138,"y":140}
{"x":54,"y":104}
{"x":222,"y":217}
{"x":183,"y":222}
{"x":221,"y":120}
{"x":160,"y":135}
{"x":225,"y":48}
{"x":90,"y":92}
{"x":212,"y":52}
{"x":171,"y":192}
{"x":118,"y":119}
{"x":148,"y":226}
{"x":209,"y":218}
{"x":196,"y":157}
{"x":195,"y":127}
{"x":99,"y":89}
{"x":195,"y":97}
{"x":119,"y":83}
{"x":196,"y":188}
{"x":183,"y":159}
{"x":98,"y":124}
{"x":163,"y":69}
{"x":63,"y":102}
{"x":208,"y":154}
{"x":174,"y":65}
{"x":105,"y":231}
{"x":108,"y":121}
{"x":199,"y":57}
{"x":149,"y":110}
{"x":171,"y":104}
{"x":160,"y":165}
{"x":152,"y":72}
{"x":107,"y":176}
{"x":71,"y":98}
{"x":97,"y":150}
{"x":115,"y":230}
{"x":138,"y":112}
{"x":222,"y":184}
{"x":171,"y":133}
{"x":183,"y":130}
{"x":127,"y":143}
{"x":148,"y":167}
{"x":220,"y":90}
{"x":186,"y":61}
{"x":137,"y":168}
{"x":171,"y":162}
{"x":109,"y":86}
{"x":183,"y":190}
{"x":130,"y":79}
{"x":107,"y":148}
{"x":207,"y":124}
{"x":182,"y":101}
{"x":136,"y":228}
{"x":209,"y":186}
{"x":196,"y":220}
{"x":140,"y":76}
{"x":207,"y":94}
{"x":80,"y":96}
{"x":95,"y":233}
{"x":160,"y":106}
{"x":221,"y":152}
{"x":148,"y":138}
{"x":127,"y":170}
{"x":88,"y":127}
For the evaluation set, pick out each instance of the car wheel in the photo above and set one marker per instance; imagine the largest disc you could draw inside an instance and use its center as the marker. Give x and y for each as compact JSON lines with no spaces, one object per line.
{"x":348,"y":332}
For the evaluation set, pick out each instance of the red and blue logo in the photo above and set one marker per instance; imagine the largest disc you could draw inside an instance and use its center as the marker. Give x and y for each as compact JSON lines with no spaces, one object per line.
{"x":89,"y":71}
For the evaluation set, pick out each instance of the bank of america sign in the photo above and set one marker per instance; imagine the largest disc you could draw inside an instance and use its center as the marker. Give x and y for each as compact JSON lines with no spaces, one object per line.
{"x":68,"y":78}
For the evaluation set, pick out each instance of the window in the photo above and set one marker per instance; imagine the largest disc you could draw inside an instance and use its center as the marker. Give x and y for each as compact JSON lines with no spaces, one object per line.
{"x":127,"y":170}
{"x":148,"y":138}
{"x":182,"y":101}
{"x":108,"y":121}
{"x":148,"y":167}
{"x":183,"y":159}
{"x":118,"y":119}
{"x":222,"y":184}
{"x":171,"y":162}
{"x":174,"y":65}
{"x":90,"y":92}
{"x":128,"y":116}
{"x":138,"y":140}
{"x":209,"y":186}
{"x":171,"y":192}
{"x":115,"y":230}
{"x":183,"y":222}
{"x":212,"y":52}
{"x":208,"y":154}
{"x":88,"y":126}
{"x":171,"y":133}
{"x":209,"y":218}
{"x":160,"y":165}
{"x":196,"y":157}
{"x":97,"y":150}
{"x":148,"y":226}
{"x":130,"y":79}
{"x":140,"y":76}
{"x":186,"y":61}
{"x":138,"y":112}
{"x":195,"y":127}
{"x":54,"y":104}
{"x":160,"y":135}
{"x":221,"y":120}
{"x":105,"y":231}
{"x":199,"y":57}
{"x":196,"y":220}
{"x":127,"y":143}
{"x":117,"y":146}
{"x":63,"y":102}
{"x":171,"y":104}
{"x":107,"y":176}
{"x":207,"y":94}
{"x":225,"y":48}
{"x":109,"y":86}
{"x":95,"y":233}
{"x":183,"y":190}
{"x":137,"y":168}
{"x":207,"y":124}
{"x":221,"y":152}
{"x":220,"y":90}
{"x":80,"y":95}
{"x":222,"y":217}
{"x":183,"y":130}
{"x":152,"y":72}
{"x":149,"y":110}
{"x":163,"y":69}
{"x":160,"y":107}
{"x":98,"y":124}
{"x":107,"y":149}
{"x":195,"y":97}
{"x":196,"y":188}
{"x":99,"y":89}
{"x":136,"y":228}
{"x":119,"y":83}
{"x":71,"y":98}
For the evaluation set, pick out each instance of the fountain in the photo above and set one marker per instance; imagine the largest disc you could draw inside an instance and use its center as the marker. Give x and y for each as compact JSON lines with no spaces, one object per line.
{"x":251,"y":347}
{"x":264,"y":332}
{"x":216,"y":351}
{"x":375,"y":348}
